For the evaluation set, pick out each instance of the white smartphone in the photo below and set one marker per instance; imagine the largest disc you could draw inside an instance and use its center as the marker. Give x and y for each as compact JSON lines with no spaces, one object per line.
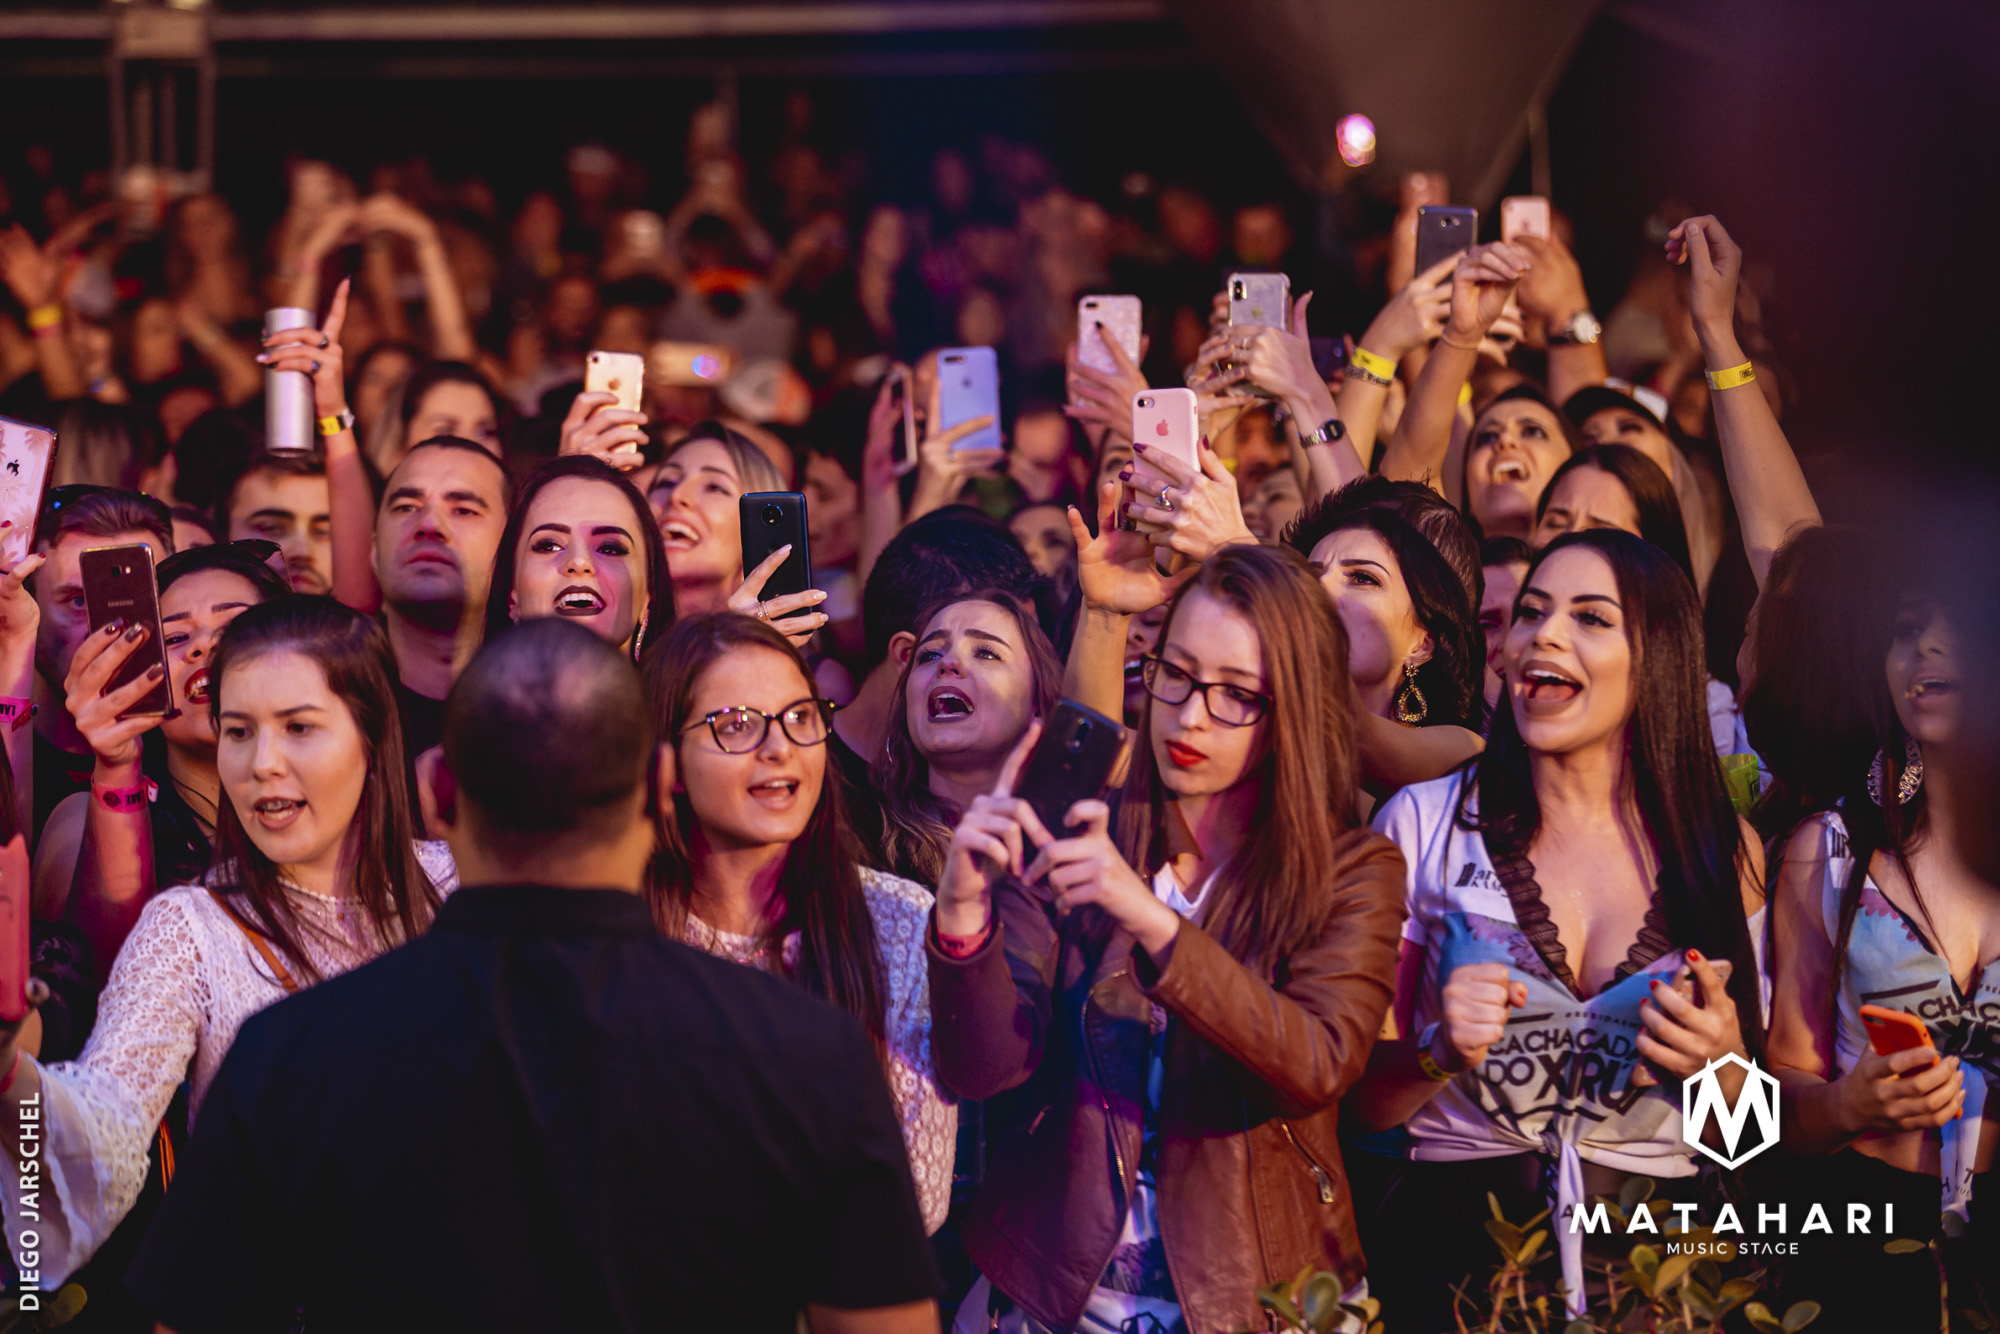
{"x":620,"y":373}
{"x":27,"y":453}
{"x":969,"y":387}
{"x":1260,"y":298}
{"x":1524,"y":215}
{"x":1165,"y":422}
{"x":1120,"y":316}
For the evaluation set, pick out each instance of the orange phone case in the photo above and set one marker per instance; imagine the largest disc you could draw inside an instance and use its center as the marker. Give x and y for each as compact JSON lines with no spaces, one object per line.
{"x":1891,"y":1031}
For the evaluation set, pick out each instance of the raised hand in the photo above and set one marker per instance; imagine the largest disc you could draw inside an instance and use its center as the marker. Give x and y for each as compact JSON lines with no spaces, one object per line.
{"x":609,"y":434}
{"x":1477,"y":998}
{"x":315,"y":353}
{"x":1715,"y":263}
{"x":385,"y":212}
{"x":942,"y":468}
{"x":20,"y":614}
{"x":1552,"y":289}
{"x":1415,"y":315}
{"x":880,"y":464}
{"x":1100,"y":400}
{"x":1486,"y":276}
{"x":32,"y":272}
{"x":747,"y":601}
{"x":1203,"y":512}
{"x":1115,"y":569}
{"x":991,"y":841}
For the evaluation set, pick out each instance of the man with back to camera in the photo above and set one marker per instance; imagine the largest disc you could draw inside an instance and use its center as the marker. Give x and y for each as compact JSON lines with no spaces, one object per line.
{"x":543,"y":1114}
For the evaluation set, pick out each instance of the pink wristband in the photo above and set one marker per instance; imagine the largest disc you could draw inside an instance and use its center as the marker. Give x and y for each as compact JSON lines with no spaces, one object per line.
{"x":133,"y":798}
{"x":964,"y":947}
{"x":17,"y":711}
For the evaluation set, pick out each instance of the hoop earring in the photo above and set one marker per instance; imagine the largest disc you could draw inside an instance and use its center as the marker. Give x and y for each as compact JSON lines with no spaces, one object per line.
{"x":638,"y":636}
{"x":1907,"y":782}
{"x":1409,"y":713}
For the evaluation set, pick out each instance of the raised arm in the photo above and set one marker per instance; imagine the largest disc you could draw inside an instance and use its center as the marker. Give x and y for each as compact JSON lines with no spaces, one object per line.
{"x":1485,"y":278}
{"x":1413,"y":317}
{"x":1765,"y":480}
{"x":34,"y":274}
{"x":1118,"y":579}
{"x":235,"y":368}
{"x":1280,"y":363}
{"x":451,"y":333}
{"x":1552,"y":291}
{"x":881,"y":497}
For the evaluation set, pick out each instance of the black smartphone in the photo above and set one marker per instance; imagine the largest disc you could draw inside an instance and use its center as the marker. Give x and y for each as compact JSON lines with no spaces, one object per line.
{"x":769,"y":520}
{"x":119,"y":585}
{"x":1444,"y":231}
{"x":1071,"y":762}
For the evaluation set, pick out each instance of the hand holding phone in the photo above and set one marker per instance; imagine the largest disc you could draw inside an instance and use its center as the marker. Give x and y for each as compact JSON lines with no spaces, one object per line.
{"x":1071,"y":762}
{"x":1444,"y":231}
{"x":604,"y":421}
{"x":777,"y":562}
{"x":119,"y":588}
{"x":1891,"y":1031}
{"x":27,"y":453}
{"x":969,"y":389}
{"x":1102,"y":321}
{"x":1524,"y":215}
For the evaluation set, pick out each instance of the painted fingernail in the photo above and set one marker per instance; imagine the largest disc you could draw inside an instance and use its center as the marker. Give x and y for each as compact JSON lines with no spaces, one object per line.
{"x":1125,"y":476}
{"x":134,"y":633}
{"x":1139,"y":445}
{"x":1205,"y":444}
{"x":155,"y":672}
{"x":1694,"y":956}
{"x":113,"y":628}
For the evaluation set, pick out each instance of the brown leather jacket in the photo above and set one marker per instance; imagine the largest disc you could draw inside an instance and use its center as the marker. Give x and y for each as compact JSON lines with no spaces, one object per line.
{"x":1250,"y":1185}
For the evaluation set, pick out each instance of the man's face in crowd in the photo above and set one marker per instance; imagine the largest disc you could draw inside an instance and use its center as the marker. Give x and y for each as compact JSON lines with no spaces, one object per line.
{"x":293,"y":511}
{"x":59,"y":594}
{"x":438,"y":530}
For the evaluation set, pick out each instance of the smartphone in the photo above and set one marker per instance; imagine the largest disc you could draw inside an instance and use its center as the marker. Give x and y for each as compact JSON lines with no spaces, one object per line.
{"x":689,"y":365}
{"x":902,"y":384}
{"x":15,"y":893}
{"x":1071,"y":762}
{"x":1524,"y":215}
{"x":1165,"y":422}
{"x":620,"y":373}
{"x":1260,"y":298}
{"x":969,"y":387}
{"x":1444,"y":231}
{"x":1120,"y":317}
{"x":770,"y":519}
{"x":27,"y":454}
{"x":1685,"y":983}
{"x":1891,"y":1031}
{"x":119,"y":585}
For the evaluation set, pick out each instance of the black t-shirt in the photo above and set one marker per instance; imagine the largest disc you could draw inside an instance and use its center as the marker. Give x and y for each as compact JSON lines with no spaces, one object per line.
{"x":423,"y":721}
{"x":857,"y":791}
{"x":542,"y":1114}
{"x":58,"y":774}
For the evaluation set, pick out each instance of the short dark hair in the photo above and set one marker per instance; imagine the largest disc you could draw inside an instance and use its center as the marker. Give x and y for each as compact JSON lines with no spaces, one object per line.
{"x":1653,"y":497}
{"x":224,"y":556}
{"x":1505,"y":551}
{"x":1417,"y":504}
{"x":284,"y":465}
{"x":546,"y":728}
{"x":431,"y":374}
{"x":945,"y":553}
{"x":104,"y":512}
{"x":460,"y":443}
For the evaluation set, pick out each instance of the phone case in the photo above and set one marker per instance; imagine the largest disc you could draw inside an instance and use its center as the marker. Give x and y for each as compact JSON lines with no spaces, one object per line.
{"x":118,"y":584}
{"x":1165,"y":422}
{"x":27,"y":454}
{"x":1120,"y":316}
{"x":1071,"y":762}
{"x":1524,"y":215}
{"x":15,"y":898}
{"x":1444,"y":231}
{"x":1260,"y":298}
{"x":1891,"y":1031}
{"x":769,"y":519}
{"x":969,"y":387}
{"x":620,"y":373}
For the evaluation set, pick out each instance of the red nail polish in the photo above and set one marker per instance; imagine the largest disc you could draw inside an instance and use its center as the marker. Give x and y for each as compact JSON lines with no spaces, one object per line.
{"x":1694,"y":956}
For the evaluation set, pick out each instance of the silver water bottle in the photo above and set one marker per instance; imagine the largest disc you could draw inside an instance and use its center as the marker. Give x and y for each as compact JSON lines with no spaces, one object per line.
{"x":288,"y":395}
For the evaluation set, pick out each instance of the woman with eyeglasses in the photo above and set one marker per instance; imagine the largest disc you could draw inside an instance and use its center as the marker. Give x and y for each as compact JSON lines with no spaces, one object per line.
{"x":1183,"y":989}
{"x":756,"y":863}
{"x":149,"y":817}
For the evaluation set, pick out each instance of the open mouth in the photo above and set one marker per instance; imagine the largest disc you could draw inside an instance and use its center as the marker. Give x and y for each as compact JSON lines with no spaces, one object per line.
{"x":196,"y":689}
{"x":1932,"y":687}
{"x":675,"y":533}
{"x":947,"y":704}
{"x":1544,"y":685}
{"x":1135,"y":673}
{"x":277,"y":812}
{"x":576,"y":600}
{"x":1510,"y":470}
{"x":775,"y":792}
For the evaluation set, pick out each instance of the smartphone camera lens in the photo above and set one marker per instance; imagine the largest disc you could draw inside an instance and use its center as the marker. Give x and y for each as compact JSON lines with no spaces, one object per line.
{"x":1236,"y":291}
{"x":1145,"y":402}
{"x":774,"y":515}
{"x":1078,"y":737}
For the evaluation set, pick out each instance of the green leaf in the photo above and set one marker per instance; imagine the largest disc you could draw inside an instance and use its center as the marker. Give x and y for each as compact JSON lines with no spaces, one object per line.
{"x":1282,"y":1304}
{"x":1319,"y":1302}
{"x":1952,"y":1225}
{"x":1528,"y":1249}
{"x":1735,"y":1292}
{"x":1670,"y":1271}
{"x":1636,"y":1190}
{"x":1701,"y":1301}
{"x":67,"y":1305}
{"x":1504,"y":1234}
{"x":1645,"y":1259}
{"x":1799,"y":1315}
{"x":1904,"y":1246}
{"x":1493,"y":1203}
{"x":1367,"y":1308}
{"x":1760,"y":1316}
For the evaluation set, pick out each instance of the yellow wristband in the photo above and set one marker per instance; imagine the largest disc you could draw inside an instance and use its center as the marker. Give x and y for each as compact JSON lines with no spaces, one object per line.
{"x":45,"y":317}
{"x":331,"y":426}
{"x":1434,"y":1072}
{"x":1465,"y":393}
{"x":1732,"y":377}
{"x":1380,"y":367}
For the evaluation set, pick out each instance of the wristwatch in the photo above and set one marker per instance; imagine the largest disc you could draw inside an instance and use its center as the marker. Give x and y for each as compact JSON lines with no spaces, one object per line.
{"x":345,"y":418}
{"x":1330,"y":430}
{"x":1580,"y":329}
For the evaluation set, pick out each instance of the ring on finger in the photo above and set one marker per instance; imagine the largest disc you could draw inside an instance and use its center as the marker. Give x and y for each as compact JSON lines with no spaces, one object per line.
{"x":1165,"y":503}
{"x":315,"y":369}
{"x":325,"y":342}
{"x":762,"y":614}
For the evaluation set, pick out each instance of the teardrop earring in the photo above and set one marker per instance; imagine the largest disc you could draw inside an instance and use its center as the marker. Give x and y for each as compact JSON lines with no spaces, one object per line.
{"x":1907,"y":782}
{"x":1411,"y":707}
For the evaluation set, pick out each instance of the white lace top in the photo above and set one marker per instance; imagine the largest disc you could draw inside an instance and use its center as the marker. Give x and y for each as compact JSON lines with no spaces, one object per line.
{"x":183,"y":983}
{"x":902,"y":910}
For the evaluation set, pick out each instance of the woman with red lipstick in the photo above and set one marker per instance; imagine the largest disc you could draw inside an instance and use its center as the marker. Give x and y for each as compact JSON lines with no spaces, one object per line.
{"x":106,"y":856}
{"x":316,"y":872}
{"x":1582,"y":892}
{"x":1184,"y":1002}
{"x":755,"y":862}
{"x":981,"y":672}
{"x":580,"y":542}
{"x":1875,"y":906}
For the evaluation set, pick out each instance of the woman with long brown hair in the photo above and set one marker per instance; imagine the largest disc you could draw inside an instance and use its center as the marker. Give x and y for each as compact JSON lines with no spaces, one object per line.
{"x":1186,"y":1001}
{"x":981,"y":672}
{"x":756,"y":864}
{"x":316,"y":872}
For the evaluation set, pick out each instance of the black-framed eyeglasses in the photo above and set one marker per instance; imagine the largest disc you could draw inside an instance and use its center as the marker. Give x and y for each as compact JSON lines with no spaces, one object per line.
{"x":740,"y":729}
{"x":1230,"y":705}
